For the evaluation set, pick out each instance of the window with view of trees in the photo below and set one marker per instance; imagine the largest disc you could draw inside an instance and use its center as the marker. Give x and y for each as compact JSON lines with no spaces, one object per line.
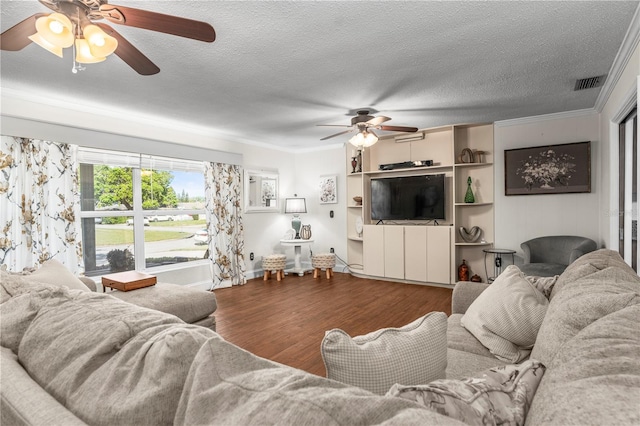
{"x":140,"y":212}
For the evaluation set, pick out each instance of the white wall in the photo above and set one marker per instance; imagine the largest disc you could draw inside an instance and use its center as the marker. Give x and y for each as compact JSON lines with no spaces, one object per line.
{"x":327,"y":232}
{"x":299,"y":174}
{"x":522,"y":217}
{"x":262,"y":231}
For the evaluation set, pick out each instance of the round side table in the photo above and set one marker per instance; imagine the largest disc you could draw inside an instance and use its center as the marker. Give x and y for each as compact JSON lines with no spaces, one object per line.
{"x":297,"y":248}
{"x":497,"y":261}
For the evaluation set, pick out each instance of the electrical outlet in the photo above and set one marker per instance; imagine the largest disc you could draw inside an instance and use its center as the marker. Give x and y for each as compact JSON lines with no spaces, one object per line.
{"x":331,"y":250}
{"x":251,"y":256}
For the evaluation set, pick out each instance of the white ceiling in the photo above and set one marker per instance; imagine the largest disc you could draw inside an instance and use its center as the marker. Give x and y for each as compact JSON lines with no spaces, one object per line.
{"x":278,"y":68}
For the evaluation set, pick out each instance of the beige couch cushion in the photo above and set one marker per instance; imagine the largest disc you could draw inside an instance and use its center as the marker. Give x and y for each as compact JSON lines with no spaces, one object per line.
{"x":461,"y":364}
{"x":460,"y":339}
{"x":595,"y":376}
{"x":188,"y":304}
{"x":591,"y":263}
{"x":582,"y":302}
{"x":230,"y":386}
{"x":109,"y":362}
{"x":413,"y":354}
{"x":23,"y":401}
{"x":507,"y":315}
{"x":18,"y":308}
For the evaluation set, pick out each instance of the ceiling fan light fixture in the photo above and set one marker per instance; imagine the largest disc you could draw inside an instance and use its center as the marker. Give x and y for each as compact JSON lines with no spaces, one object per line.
{"x":37,"y":39}
{"x":56,"y":29}
{"x":100,"y":43}
{"x":363,"y":139}
{"x":83,"y":53}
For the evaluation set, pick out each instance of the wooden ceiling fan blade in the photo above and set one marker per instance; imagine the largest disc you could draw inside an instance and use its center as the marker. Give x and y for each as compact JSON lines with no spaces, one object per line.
{"x":398,"y":129}
{"x":17,"y":37}
{"x":130,"y":54}
{"x":337,"y":134}
{"x":168,"y":24}
{"x":378,"y":120}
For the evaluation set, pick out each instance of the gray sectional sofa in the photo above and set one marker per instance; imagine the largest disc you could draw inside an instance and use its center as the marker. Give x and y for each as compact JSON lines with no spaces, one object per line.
{"x":76,"y":357}
{"x":589,"y":342}
{"x":190,"y":305}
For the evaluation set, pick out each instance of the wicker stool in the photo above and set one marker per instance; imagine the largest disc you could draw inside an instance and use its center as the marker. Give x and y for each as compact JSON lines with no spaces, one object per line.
{"x":274,"y":262}
{"x":323,"y":261}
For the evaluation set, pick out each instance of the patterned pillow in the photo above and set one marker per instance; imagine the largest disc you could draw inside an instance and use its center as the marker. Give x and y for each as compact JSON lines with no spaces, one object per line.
{"x":506,"y":317}
{"x":413,"y":354}
{"x":501,"y":395}
{"x":543,"y":284}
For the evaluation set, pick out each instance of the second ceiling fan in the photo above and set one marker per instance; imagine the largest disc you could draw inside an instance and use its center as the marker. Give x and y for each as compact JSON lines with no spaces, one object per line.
{"x":364,"y":124}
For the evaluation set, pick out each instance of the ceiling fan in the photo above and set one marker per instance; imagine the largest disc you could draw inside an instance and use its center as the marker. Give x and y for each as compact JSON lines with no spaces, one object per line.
{"x":365,"y":124}
{"x":72,"y":24}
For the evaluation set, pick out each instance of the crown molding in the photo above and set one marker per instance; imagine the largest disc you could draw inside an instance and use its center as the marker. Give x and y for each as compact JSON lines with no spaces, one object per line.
{"x":621,"y":60}
{"x":137,"y":118}
{"x":545,"y":117}
{"x":101,"y":111}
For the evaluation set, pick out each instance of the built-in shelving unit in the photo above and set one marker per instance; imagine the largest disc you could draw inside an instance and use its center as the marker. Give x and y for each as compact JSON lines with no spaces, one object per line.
{"x":442,"y":145}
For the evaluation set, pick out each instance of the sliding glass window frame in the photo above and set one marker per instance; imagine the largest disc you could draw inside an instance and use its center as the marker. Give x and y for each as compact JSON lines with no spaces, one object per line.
{"x":137,"y":216}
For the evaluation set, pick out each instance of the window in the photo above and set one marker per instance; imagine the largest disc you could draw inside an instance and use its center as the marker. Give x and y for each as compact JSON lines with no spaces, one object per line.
{"x":140,"y":212}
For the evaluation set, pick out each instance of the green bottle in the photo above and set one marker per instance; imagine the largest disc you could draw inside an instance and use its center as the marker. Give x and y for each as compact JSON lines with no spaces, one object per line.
{"x":468,"y":197}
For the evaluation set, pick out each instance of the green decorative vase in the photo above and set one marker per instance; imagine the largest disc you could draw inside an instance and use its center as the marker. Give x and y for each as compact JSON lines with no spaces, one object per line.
{"x":468,"y":197}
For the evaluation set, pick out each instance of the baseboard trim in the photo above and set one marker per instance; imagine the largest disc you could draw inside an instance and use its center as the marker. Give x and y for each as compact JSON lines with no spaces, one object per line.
{"x":395,"y":280}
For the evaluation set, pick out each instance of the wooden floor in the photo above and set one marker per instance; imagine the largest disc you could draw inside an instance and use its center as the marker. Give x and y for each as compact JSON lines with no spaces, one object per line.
{"x":286,"y":321}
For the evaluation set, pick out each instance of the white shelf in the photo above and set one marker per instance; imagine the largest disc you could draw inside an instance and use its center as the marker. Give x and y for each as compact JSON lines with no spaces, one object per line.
{"x":474,"y":244}
{"x":472,"y":164}
{"x":352,"y":238}
{"x":474,"y":204}
{"x":408,"y":169}
{"x":355,"y":207}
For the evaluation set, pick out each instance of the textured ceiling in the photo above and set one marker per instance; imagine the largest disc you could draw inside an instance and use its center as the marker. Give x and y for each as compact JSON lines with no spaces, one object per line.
{"x":278,"y":68}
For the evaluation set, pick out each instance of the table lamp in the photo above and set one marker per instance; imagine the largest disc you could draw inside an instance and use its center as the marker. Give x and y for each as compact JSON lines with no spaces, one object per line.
{"x":295,"y":206}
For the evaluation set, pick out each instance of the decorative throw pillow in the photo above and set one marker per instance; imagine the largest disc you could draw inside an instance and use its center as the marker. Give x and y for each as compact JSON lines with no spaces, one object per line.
{"x":506,"y":316}
{"x":501,"y":395}
{"x":413,"y":354}
{"x":543,"y":284}
{"x":55,"y":273}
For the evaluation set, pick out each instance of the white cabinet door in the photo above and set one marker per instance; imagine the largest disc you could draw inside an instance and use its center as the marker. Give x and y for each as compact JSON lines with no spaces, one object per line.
{"x":439,"y":254}
{"x":415,"y":253}
{"x":373,"y":250}
{"x":394,"y":252}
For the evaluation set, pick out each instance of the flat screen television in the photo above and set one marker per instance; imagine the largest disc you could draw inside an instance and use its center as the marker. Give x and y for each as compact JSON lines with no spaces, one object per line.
{"x":408,"y":198}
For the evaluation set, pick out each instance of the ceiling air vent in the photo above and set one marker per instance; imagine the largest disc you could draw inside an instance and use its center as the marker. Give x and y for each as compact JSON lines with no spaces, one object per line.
{"x":590,"y":82}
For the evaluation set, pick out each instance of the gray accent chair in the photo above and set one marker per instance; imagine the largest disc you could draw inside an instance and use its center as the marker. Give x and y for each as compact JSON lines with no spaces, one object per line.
{"x":550,"y":255}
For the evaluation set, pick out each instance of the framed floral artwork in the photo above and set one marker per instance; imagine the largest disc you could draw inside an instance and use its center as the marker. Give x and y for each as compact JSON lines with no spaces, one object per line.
{"x":328,"y":189}
{"x":550,"y":169}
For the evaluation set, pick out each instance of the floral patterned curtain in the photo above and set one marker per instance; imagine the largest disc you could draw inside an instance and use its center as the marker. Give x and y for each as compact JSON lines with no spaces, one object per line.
{"x":39,"y":204}
{"x":224,"y":224}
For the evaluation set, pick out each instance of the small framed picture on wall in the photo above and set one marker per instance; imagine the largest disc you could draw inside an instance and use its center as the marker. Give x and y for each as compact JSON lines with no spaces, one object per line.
{"x":328,"y":189}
